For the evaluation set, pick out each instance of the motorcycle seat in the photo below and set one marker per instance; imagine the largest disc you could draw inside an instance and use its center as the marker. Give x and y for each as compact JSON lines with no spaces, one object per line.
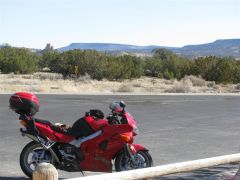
{"x":54,"y":127}
{"x":60,"y":130}
{"x":67,"y":131}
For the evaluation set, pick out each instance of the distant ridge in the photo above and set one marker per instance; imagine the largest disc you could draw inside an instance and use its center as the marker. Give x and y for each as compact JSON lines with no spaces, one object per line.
{"x":222,"y":47}
{"x":108,"y":47}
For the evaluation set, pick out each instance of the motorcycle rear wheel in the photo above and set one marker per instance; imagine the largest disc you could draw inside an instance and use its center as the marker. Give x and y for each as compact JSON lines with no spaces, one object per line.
{"x":32,"y":154}
{"x":142,"y":159}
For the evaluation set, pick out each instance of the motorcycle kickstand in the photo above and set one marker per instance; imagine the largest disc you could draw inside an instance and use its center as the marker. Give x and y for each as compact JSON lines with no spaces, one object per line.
{"x":82,"y":172}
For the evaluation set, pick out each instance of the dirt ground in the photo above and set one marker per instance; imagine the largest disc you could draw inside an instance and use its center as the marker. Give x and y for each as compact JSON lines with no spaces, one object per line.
{"x":54,"y":83}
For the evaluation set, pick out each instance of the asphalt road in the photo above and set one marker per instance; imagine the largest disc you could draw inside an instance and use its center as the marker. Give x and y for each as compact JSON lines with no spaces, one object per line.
{"x":173,"y":128}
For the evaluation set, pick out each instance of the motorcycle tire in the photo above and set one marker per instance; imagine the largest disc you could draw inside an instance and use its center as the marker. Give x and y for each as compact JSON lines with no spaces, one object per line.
{"x":24,"y":157}
{"x":121,"y":161}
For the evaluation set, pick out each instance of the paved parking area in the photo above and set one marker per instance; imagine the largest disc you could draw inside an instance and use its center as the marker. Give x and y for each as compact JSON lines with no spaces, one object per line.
{"x":173,"y":128}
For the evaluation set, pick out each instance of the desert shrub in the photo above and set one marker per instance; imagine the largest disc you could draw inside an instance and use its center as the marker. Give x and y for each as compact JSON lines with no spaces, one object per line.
{"x":153,"y":67}
{"x":123,"y":67}
{"x":47,"y":59}
{"x":236,"y":88}
{"x":236,"y":72}
{"x":76,"y":63}
{"x":137,"y":84}
{"x":18,"y":60}
{"x":212,"y":68}
{"x":49,"y":76}
{"x":183,"y":86}
{"x":166,"y":64}
{"x":163,"y":64}
{"x":196,"y":81}
{"x":168,"y":74}
{"x":125,"y":88}
{"x":85,"y":79}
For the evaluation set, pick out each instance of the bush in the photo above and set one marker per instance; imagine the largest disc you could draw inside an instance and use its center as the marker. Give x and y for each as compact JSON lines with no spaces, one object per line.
{"x":196,"y":81}
{"x":18,"y":60}
{"x":49,"y":76}
{"x":125,"y":88}
{"x":47,"y":58}
{"x":183,"y":86}
{"x":77,"y":63}
{"x":163,"y":64}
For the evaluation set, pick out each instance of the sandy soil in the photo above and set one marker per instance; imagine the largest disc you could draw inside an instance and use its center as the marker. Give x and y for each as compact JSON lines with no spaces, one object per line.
{"x":54,"y":83}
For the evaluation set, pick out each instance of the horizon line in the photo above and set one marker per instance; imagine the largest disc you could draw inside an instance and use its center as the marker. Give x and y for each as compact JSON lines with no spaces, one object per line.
{"x":166,"y":46}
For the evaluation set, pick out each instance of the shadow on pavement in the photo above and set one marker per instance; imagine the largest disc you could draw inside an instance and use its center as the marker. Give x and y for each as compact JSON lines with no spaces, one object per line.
{"x":214,"y":173}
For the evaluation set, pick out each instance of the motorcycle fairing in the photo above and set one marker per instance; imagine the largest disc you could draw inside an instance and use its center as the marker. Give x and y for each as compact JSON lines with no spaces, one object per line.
{"x":102,"y":161}
{"x":46,"y":130}
{"x":137,"y":147}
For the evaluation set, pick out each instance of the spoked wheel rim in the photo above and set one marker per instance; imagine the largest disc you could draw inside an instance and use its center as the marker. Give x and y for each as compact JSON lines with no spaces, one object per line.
{"x":35,"y":155}
{"x":126,"y":163}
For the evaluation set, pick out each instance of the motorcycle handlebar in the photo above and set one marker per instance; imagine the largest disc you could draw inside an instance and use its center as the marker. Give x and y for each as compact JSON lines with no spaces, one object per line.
{"x":117,"y":118}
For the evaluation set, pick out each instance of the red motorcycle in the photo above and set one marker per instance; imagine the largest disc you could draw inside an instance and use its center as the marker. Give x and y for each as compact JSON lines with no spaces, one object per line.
{"x":91,"y":144}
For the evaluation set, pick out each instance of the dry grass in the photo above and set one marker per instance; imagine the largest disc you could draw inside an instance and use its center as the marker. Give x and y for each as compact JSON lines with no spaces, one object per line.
{"x":196,"y":81}
{"x":54,"y":83}
{"x":183,"y":86}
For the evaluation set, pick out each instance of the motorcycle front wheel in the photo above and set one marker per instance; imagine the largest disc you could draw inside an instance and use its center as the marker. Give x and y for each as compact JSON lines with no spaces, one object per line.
{"x":32,"y":154}
{"x":142,"y":159}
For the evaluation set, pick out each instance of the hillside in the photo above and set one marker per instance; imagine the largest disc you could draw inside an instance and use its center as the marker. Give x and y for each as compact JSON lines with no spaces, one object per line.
{"x":109,"y":47}
{"x":225,"y":47}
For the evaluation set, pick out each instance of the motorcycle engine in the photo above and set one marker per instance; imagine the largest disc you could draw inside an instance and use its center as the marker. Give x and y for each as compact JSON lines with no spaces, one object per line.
{"x":72,"y":152}
{"x":71,"y":156}
{"x":69,"y":149}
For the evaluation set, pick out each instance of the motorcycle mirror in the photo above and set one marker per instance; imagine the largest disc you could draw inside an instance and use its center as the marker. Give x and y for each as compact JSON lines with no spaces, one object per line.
{"x":122,"y":104}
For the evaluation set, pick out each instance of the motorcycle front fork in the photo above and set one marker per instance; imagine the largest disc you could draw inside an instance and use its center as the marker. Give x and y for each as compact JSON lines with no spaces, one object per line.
{"x":129,"y":150}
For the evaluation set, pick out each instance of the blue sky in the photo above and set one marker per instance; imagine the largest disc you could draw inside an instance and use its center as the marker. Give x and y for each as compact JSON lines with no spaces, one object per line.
{"x":33,"y":23}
